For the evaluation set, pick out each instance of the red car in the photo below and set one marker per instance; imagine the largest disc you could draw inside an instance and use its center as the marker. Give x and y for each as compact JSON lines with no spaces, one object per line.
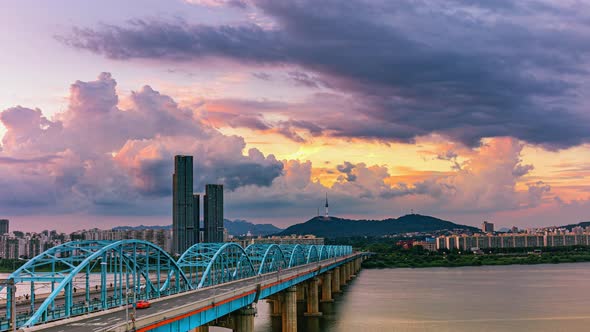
{"x":142,"y":304}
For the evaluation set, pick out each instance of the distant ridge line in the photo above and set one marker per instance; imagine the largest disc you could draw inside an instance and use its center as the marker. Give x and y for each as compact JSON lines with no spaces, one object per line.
{"x":332,"y":227}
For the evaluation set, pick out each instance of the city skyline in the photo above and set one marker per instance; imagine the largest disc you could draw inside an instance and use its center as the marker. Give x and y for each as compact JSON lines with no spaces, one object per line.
{"x":458,"y":110}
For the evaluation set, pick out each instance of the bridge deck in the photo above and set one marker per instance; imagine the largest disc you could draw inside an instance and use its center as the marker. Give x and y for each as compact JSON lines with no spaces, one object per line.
{"x":192,"y":301}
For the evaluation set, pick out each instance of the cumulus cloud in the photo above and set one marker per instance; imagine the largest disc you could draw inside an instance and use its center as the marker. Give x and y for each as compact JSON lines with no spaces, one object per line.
{"x":513,"y":73}
{"x":99,"y":158}
{"x":537,"y":192}
{"x":347,"y":168}
{"x":487,"y":184}
{"x":520,"y":170}
{"x":61,"y":165}
{"x":488,"y":180}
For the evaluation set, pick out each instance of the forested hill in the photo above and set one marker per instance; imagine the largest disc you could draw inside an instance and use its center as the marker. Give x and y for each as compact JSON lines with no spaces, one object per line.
{"x":583,"y":224}
{"x":333,"y":227}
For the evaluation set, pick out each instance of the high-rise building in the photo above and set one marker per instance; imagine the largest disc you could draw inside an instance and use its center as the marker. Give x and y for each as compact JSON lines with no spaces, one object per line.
{"x":487,"y":227}
{"x":213,"y":211}
{"x":184,"y":229}
{"x":196,"y":218}
{"x":4,"y":226}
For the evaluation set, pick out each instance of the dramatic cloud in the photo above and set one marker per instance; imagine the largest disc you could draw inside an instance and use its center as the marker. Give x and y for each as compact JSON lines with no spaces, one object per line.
{"x":98,"y":158}
{"x":304,"y":79}
{"x":347,"y":168}
{"x":488,"y":182}
{"x":463,"y":69}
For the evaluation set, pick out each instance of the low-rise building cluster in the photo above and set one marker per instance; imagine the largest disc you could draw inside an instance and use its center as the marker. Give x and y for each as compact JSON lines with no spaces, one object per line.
{"x":19,"y":245}
{"x":26,"y":245}
{"x":159,"y":237}
{"x":292,"y":239}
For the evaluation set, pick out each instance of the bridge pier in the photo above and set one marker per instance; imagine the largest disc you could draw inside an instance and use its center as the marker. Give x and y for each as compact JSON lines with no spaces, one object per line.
{"x":277,"y":305}
{"x":300,"y":292}
{"x":351,"y":271}
{"x":336,"y":280}
{"x":327,"y":287}
{"x":203,"y":328}
{"x":313,"y":307}
{"x":347,"y":270}
{"x":290,"y":310}
{"x":343,"y":276}
{"x":243,"y":319}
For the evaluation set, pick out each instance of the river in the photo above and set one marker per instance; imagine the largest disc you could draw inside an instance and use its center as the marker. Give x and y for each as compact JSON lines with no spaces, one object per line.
{"x":540,"y":298}
{"x":490,"y":298}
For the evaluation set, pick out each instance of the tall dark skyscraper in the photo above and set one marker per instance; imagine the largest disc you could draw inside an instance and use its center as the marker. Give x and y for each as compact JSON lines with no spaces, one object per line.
{"x":197,"y":218}
{"x":185,"y":222}
{"x":3,"y":226}
{"x":213,"y":210}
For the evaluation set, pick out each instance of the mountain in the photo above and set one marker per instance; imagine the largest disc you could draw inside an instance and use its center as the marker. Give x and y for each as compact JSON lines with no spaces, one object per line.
{"x":333,"y":227}
{"x":583,"y":224}
{"x":140,"y":228}
{"x":242,"y":227}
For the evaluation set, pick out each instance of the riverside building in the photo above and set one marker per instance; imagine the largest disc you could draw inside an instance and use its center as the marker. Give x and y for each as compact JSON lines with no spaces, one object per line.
{"x":293,"y":239}
{"x":522,"y":240}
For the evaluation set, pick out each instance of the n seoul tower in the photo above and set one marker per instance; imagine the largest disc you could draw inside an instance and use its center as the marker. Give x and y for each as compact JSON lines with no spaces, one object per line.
{"x":326,"y":216}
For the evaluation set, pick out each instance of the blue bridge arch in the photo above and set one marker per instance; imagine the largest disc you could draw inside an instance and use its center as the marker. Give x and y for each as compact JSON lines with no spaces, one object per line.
{"x":208,"y":264}
{"x":119,"y":267}
{"x":266,"y":257}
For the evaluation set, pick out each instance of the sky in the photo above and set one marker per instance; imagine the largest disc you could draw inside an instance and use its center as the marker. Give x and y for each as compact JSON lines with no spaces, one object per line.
{"x":461,"y":109}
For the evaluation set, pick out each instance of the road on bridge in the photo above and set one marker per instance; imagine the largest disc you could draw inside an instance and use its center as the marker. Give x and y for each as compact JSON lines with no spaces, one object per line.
{"x":96,"y":323}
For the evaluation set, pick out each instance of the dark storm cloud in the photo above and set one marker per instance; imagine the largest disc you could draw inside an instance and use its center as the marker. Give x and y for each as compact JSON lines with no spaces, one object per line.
{"x":347,"y":168}
{"x":235,"y":176}
{"x":155,"y":175}
{"x":304,"y":79}
{"x":252,"y":121}
{"x":522,"y":170}
{"x":178,"y":41}
{"x":263,"y":76}
{"x":415,"y":67}
{"x":291,"y":129}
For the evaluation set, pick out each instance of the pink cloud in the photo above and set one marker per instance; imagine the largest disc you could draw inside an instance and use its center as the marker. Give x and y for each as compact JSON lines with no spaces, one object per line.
{"x":101,"y":159}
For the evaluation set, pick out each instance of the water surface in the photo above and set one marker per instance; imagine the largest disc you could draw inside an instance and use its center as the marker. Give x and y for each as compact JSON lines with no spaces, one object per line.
{"x":490,"y":298}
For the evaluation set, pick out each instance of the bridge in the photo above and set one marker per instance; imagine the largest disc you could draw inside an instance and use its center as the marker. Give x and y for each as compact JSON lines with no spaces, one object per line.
{"x":95,"y":285}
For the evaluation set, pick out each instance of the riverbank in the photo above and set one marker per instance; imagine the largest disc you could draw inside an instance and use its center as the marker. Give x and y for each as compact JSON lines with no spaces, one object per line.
{"x":430,"y":259}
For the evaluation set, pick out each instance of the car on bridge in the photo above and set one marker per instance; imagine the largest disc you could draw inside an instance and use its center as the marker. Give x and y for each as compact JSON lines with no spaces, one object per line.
{"x":142,"y":304}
